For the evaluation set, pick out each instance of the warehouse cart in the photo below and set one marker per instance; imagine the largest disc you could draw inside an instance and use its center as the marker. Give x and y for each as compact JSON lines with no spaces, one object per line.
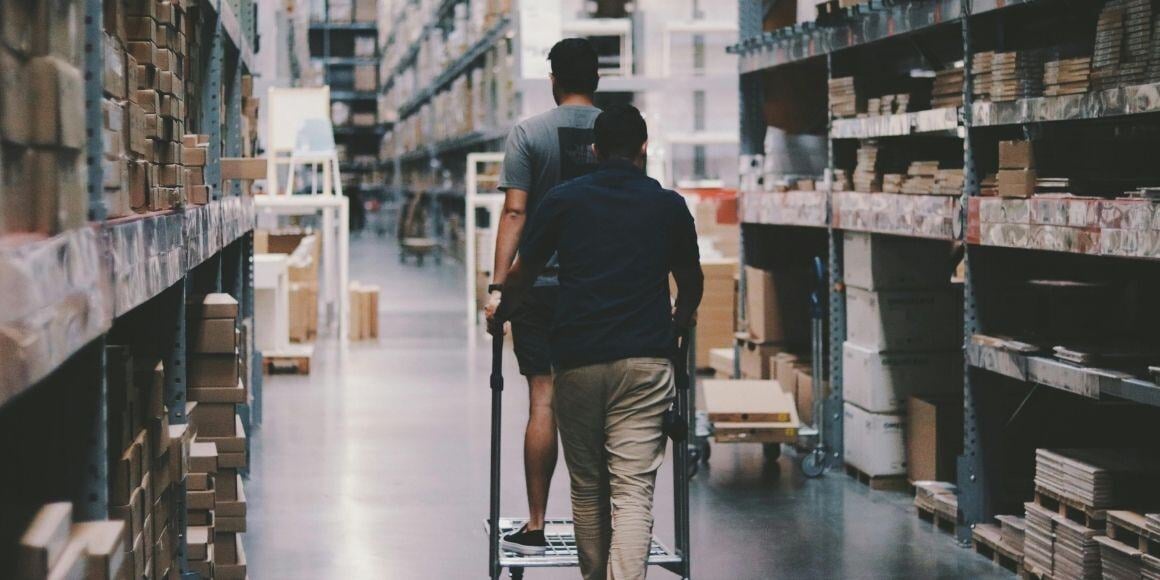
{"x":813,"y":463}
{"x":561,"y":539}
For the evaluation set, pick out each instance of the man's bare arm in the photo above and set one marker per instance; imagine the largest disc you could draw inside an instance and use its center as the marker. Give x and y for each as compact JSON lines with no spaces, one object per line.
{"x":511,"y":227}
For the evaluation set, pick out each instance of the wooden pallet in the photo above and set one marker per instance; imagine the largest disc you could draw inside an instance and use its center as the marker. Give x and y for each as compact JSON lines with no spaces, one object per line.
{"x":1086,"y":516}
{"x":878,"y":482}
{"x":286,"y":365}
{"x":1131,"y":528}
{"x":987,"y":541}
{"x":938,"y":520}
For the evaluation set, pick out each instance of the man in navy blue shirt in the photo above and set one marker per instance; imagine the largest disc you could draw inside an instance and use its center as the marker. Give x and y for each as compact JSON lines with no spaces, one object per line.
{"x":618,"y":236}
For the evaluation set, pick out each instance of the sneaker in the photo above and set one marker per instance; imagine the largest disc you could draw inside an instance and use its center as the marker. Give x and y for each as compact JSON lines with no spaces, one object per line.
{"x":527,"y":543}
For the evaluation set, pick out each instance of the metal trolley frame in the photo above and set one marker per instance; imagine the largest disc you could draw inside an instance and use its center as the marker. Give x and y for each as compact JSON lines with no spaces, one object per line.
{"x":561,"y":540}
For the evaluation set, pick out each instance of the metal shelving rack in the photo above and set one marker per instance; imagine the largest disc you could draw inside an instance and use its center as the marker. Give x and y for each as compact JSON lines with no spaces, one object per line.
{"x":65,"y":296}
{"x":451,"y":153}
{"x":325,"y":34}
{"x":761,"y":52}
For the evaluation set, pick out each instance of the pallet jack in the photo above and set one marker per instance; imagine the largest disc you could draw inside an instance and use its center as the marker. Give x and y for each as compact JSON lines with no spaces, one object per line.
{"x":561,"y":552}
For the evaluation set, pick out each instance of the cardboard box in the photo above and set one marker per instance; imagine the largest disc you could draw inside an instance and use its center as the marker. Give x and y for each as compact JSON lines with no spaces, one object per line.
{"x":213,"y":370}
{"x":199,"y":482}
{"x":1016,"y":155}
{"x":755,"y":359}
{"x":200,"y":518}
{"x":71,"y":563}
{"x":215,"y":306}
{"x":880,"y":262}
{"x":804,"y":396}
{"x":1017,"y":182}
{"x":58,"y":90}
{"x":777,"y":306}
{"x":198,"y":540}
{"x":934,"y":437}
{"x":366,"y":10}
{"x":236,"y":525}
{"x":17,"y":24}
{"x":721,"y":361}
{"x":232,"y":460}
{"x":232,"y":444}
{"x":44,"y":540}
{"x":214,"y":336}
{"x":105,"y":548}
{"x":903,"y":320}
{"x":783,"y":368}
{"x":215,"y":419}
{"x":235,"y":569}
{"x":365,"y":78}
{"x":716,"y":317}
{"x":235,"y":394}
{"x":227,"y":482}
{"x":203,"y":457}
{"x":875,"y":444}
{"x":138,"y":555}
{"x":882,"y":382}
{"x":235,"y":508}
{"x":200,"y":500}
{"x":747,"y":401}
{"x":15,"y":118}
{"x":59,"y":29}
{"x":246,"y":168}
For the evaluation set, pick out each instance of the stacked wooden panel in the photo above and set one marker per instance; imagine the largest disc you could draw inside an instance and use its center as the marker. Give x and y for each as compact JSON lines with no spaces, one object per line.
{"x":866,"y":177}
{"x":843,"y":98}
{"x":1068,"y":76}
{"x":947,"y":90}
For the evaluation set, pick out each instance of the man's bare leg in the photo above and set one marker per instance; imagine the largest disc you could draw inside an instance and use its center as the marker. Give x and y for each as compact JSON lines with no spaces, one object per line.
{"x":540,"y":448}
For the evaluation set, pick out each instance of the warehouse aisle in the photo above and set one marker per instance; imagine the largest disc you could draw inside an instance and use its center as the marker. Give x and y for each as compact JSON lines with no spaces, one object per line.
{"x":376,"y":466}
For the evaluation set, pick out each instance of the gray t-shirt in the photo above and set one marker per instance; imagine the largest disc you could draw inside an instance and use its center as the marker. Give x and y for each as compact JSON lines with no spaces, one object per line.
{"x":545,"y":151}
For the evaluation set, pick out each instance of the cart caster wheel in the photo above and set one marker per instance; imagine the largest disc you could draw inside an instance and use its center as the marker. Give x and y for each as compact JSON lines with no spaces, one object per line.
{"x":814,"y":464}
{"x":772,"y":451}
{"x":517,"y":574}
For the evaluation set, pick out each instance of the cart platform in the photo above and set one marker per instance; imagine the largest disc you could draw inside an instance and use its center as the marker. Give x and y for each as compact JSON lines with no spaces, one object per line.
{"x":562,"y":547}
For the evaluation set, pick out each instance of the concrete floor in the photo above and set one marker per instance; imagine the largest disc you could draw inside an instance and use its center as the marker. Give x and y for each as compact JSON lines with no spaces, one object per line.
{"x":376,"y":466}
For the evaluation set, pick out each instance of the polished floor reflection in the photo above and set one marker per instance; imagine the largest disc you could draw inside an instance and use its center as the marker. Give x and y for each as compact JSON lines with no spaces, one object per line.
{"x":376,"y":467}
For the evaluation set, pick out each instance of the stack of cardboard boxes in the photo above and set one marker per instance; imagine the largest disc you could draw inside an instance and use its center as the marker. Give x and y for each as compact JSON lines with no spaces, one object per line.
{"x":904,"y":339}
{"x":42,"y":117}
{"x":195,"y":151}
{"x":53,"y":546}
{"x":146,"y":471}
{"x":364,"y":311}
{"x":216,"y":500}
{"x":1017,"y":176}
{"x":157,"y":43}
{"x":716,"y":317}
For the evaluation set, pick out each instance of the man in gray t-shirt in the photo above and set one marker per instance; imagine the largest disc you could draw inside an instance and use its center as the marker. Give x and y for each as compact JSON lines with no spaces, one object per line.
{"x":541,"y":153}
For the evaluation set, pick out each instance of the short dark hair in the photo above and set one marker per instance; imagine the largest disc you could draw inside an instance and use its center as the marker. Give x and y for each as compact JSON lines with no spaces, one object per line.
{"x":620,"y":131}
{"x":574,"y":66}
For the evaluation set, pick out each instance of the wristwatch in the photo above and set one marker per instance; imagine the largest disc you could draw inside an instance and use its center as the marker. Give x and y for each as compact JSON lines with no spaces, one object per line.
{"x":494,"y":288}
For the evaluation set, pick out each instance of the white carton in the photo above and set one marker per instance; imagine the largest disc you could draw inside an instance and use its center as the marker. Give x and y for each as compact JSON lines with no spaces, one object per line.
{"x":875,"y":443}
{"x":904,"y":320}
{"x":881,"y":262}
{"x":881,"y":382}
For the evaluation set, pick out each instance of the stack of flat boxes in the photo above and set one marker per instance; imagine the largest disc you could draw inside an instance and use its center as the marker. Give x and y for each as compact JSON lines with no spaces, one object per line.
{"x":42,"y":117}
{"x":903,"y":340}
{"x":777,"y":321}
{"x":250,"y":108}
{"x":53,"y":546}
{"x":216,"y":388}
{"x":195,"y":152}
{"x":145,"y":477}
{"x":158,"y":45}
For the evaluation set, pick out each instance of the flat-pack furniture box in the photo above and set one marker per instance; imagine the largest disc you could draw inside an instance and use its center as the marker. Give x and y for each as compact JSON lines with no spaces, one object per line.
{"x":875,"y":443}
{"x":882,"y":382}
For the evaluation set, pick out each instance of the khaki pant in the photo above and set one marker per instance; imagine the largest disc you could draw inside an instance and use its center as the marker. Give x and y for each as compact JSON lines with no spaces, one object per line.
{"x":610,"y":417}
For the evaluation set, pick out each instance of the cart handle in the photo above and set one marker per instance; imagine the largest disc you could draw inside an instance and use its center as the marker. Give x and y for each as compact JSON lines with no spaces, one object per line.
{"x":497,"y":362}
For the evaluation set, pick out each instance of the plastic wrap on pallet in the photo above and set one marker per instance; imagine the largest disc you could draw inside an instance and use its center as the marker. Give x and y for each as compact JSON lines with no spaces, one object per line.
{"x":148,"y":256}
{"x":54,"y":298}
{"x":809,"y":40}
{"x":926,"y":216}
{"x":1001,"y":210}
{"x":237,"y":218}
{"x":1064,"y":211}
{"x":795,"y":208}
{"x":930,"y":121}
{"x":1094,"y":105}
{"x":201,"y":236}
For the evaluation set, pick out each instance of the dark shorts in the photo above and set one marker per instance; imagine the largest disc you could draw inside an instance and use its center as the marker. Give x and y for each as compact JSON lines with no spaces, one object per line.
{"x":531,"y":327}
